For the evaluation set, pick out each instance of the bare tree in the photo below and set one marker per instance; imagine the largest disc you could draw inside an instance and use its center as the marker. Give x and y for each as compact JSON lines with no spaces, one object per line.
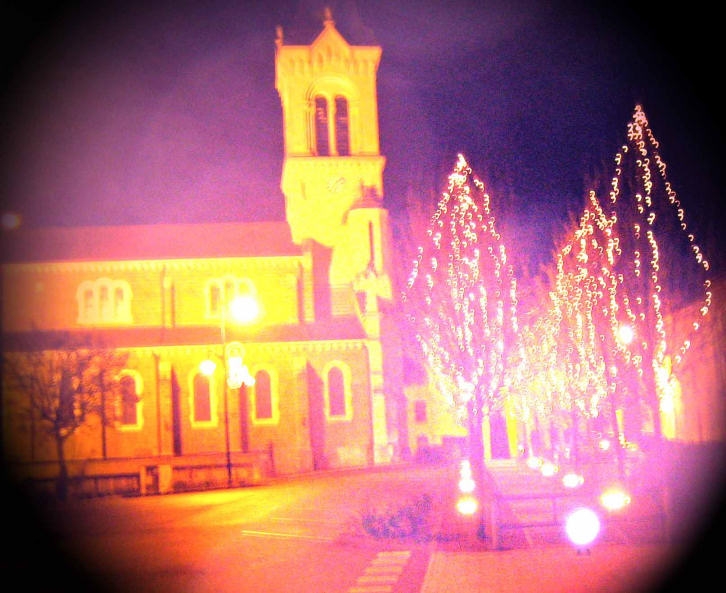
{"x":58,"y":384}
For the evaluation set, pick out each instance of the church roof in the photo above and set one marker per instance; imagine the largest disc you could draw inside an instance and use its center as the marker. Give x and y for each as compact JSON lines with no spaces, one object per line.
{"x":148,"y":242}
{"x":331,"y":329}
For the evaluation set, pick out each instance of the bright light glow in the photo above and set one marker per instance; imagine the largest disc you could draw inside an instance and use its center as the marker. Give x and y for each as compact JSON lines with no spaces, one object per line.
{"x":244,"y":309}
{"x":465,"y":469}
{"x":604,"y":444}
{"x":466,"y":481}
{"x":614,"y":498}
{"x":207,"y":367}
{"x":548,"y":469}
{"x":572,"y":480}
{"x":467,"y":485}
{"x":534,"y":462}
{"x":467,"y":505}
{"x":582,"y":526}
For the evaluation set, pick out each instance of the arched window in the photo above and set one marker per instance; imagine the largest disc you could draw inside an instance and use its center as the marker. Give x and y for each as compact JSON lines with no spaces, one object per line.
{"x":322,"y":141}
{"x":202,"y":399}
{"x":129,"y":404}
{"x":88,"y":308}
{"x":215,"y":300}
{"x":342,"y":140}
{"x":336,"y":392}
{"x":119,"y":302}
{"x":129,"y":401}
{"x":263,"y":396}
{"x":104,"y":301}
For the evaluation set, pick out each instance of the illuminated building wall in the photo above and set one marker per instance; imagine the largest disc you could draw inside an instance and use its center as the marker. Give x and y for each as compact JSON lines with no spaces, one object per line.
{"x":324,"y":351}
{"x":695,"y":409}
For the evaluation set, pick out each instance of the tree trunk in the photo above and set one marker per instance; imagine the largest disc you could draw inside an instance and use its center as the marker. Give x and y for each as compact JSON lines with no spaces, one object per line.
{"x":476,"y":458}
{"x":61,"y":484}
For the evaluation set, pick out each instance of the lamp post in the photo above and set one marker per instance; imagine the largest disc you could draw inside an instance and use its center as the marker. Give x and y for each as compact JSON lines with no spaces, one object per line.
{"x":242,"y":309}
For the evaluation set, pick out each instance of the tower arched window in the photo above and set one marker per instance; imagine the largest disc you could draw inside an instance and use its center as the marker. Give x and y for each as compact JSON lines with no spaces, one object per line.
{"x":342,"y":138}
{"x":322,"y":140}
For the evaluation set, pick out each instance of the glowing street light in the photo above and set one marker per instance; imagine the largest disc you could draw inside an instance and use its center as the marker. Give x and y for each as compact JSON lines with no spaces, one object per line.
{"x":582,"y":527}
{"x":242,"y":309}
{"x":572,"y":480}
{"x":614,"y":498}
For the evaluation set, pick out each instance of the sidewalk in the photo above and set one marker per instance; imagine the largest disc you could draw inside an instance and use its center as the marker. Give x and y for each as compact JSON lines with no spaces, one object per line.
{"x":609,"y":568}
{"x":612,"y":565}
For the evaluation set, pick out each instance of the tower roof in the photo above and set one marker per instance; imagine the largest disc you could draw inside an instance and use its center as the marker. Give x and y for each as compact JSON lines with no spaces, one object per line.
{"x":308,"y":22}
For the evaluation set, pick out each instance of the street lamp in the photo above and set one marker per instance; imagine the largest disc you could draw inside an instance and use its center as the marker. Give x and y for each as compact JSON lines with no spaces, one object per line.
{"x":242,"y":309}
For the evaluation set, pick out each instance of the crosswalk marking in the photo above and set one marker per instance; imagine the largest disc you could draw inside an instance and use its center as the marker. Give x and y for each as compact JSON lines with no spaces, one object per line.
{"x":382,"y":572}
{"x":378,"y":578}
{"x":384,"y":568}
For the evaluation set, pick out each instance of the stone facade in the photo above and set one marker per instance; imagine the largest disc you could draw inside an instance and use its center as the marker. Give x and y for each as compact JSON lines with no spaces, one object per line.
{"x":324,"y":350}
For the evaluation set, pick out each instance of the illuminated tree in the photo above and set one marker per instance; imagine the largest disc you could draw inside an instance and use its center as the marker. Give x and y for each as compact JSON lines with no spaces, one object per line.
{"x":655,"y":268}
{"x":583,"y":270}
{"x":57,"y":388}
{"x":461,"y":301}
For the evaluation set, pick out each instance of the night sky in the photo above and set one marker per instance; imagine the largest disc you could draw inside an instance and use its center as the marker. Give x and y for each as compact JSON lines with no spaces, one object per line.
{"x":165,"y":112}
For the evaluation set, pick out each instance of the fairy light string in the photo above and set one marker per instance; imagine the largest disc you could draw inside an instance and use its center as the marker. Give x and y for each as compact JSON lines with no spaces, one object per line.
{"x":462,"y":295}
{"x":624,"y":269}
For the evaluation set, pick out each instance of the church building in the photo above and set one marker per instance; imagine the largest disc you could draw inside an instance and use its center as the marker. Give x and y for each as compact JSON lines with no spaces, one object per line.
{"x":309,"y":378}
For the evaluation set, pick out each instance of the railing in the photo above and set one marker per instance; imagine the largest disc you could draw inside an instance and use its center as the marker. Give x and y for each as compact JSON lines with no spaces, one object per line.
{"x":647,"y":517}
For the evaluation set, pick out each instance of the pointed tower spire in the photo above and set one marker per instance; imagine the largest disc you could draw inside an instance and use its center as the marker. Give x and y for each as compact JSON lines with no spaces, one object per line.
{"x":328,"y":17}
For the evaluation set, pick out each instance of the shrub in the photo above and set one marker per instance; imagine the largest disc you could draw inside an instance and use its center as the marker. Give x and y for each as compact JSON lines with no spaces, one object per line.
{"x":410,"y":519}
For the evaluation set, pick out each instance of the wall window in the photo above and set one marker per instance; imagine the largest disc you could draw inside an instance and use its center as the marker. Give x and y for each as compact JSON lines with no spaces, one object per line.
{"x":342,"y":140}
{"x":337,"y":390}
{"x":129,"y":405}
{"x":322,"y":140}
{"x":263,"y":396}
{"x":104,"y":301}
{"x":201,"y":399}
{"x":265,"y":400}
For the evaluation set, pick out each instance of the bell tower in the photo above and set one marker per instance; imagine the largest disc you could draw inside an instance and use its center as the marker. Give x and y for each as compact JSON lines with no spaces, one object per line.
{"x":332,"y":180}
{"x":332,"y":160}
